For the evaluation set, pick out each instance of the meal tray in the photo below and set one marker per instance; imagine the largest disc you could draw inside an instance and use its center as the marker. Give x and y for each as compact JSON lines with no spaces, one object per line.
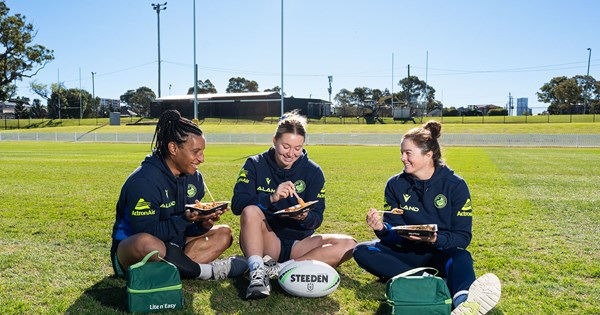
{"x":208,"y":207}
{"x":296,"y":210}
{"x":416,"y":230}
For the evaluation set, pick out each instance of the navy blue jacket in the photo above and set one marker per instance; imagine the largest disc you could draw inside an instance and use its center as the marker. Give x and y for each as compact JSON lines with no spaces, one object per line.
{"x":259,"y":178}
{"x":444,"y":199}
{"x":153,"y":201}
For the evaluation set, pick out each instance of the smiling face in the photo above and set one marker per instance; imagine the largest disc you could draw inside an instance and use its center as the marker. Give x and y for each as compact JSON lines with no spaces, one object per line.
{"x":288,"y":148}
{"x":185,"y":159}
{"x":415,"y":162}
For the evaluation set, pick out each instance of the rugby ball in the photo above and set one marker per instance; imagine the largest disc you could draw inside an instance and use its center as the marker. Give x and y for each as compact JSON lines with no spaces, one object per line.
{"x":308,"y":278}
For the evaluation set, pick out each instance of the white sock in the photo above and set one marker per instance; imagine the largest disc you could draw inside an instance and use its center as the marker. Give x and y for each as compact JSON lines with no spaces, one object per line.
{"x":205,"y":271}
{"x":255,"y":262}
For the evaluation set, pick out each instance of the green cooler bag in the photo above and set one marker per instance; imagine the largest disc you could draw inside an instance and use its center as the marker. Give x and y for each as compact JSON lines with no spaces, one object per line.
{"x":153,"y":286}
{"x":406,"y":294}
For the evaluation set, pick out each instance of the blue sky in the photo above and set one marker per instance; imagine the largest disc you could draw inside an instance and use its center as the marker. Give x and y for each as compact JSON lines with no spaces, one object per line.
{"x":478,"y":51}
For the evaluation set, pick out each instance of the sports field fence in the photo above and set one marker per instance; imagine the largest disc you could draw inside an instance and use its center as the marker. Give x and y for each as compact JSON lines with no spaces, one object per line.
{"x":505,"y":140}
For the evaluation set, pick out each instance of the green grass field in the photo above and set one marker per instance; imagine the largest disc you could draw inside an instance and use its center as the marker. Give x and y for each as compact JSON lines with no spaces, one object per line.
{"x":213,"y":127}
{"x":535,"y":225}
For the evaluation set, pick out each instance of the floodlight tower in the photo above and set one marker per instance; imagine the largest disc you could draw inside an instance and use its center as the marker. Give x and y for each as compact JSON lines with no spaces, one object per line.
{"x":159,"y":7}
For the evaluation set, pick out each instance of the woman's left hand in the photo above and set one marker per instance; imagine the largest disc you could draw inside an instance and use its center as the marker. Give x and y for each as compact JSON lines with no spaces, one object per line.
{"x":301,"y":216}
{"x":425,"y":239}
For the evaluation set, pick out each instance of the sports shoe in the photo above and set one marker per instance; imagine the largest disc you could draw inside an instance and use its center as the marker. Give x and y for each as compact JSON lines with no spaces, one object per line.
{"x":483,"y":295}
{"x":230,"y":267}
{"x":272,"y":267}
{"x":260,"y":285}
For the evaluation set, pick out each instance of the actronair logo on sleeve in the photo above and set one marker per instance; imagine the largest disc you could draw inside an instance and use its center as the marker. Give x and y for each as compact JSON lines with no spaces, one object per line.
{"x":466,"y":210}
{"x":142,"y":208}
{"x":242,"y":176}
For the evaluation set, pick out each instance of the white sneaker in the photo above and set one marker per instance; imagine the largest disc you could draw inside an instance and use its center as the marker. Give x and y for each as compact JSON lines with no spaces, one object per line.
{"x":272,"y":267}
{"x":230,"y":267}
{"x":483,"y":295}
{"x":260,"y":285}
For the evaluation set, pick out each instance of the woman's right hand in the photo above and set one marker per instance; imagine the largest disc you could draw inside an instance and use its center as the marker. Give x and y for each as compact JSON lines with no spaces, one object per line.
{"x":374,"y":220}
{"x":283,"y":191}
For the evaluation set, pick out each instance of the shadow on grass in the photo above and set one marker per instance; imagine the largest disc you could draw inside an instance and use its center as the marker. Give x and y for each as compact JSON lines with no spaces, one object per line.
{"x":109,"y":296}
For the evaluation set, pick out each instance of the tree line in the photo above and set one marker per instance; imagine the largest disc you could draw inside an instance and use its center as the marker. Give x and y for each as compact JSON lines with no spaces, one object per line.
{"x":21,"y":58}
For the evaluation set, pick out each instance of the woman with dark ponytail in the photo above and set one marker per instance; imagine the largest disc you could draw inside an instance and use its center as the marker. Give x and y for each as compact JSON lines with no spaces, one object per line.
{"x":428,"y":192}
{"x":151,"y":212}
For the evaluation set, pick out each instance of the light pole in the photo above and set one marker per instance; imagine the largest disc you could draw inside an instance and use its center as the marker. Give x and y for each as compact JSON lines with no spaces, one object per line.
{"x":158,"y":7}
{"x":94,"y":97}
{"x":282,"y":91}
{"x":587,"y":79}
{"x":195,"y":68}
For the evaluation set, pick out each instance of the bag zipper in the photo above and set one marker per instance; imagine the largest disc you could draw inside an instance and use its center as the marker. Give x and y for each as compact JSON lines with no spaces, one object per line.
{"x":170,"y":288}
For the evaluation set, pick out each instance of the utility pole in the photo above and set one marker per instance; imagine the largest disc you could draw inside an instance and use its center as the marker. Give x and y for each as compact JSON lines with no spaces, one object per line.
{"x":58,"y":91}
{"x":158,"y":7}
{"x":329,"y":89}
{"x":94,"y":97}
{"x":587,"y":79}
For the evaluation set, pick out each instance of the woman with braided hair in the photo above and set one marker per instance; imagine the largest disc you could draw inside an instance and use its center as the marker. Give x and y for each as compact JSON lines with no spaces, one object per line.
{"x":151,"y":212}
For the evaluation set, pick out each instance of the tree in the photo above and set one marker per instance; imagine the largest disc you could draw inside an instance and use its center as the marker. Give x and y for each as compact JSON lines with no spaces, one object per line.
{"x":203,"y":88}
{"x":18,"y":58}
{"x":239,"y":85}
{"x":139,"y":100}
{"x":360,"y":95}
{"x":274,"y":89}
{"x":562,"y":93}
{"x":74,"y":103}
{"x":37,"y":110}
{"x":343,"y":97}
{"x":414,"y":89}
{"x":21,"y":111}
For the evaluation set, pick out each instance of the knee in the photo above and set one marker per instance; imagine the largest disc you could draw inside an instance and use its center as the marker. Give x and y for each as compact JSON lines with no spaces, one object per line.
{"x":223,"y":234}
{"x":462,"y":256}
{"x":348,"y":243}
{"x":362,"y":249}
{"x":251,"y":215}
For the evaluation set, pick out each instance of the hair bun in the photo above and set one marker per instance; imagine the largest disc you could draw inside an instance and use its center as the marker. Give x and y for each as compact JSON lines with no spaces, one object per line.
{"x":434,"y":127}
{"x":171,"y":115}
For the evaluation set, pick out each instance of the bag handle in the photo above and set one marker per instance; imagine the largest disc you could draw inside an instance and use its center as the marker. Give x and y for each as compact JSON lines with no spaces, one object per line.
{"x":152,"y":253}
{"x":145,"y":259}
{"x":415,"y":270}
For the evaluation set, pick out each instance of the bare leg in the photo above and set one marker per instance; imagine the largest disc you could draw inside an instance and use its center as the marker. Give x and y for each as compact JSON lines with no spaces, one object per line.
{"x":256,"y":237}
{"x":132,"y":249}
{"x":209,"y":246}
{"x":332,"y":249}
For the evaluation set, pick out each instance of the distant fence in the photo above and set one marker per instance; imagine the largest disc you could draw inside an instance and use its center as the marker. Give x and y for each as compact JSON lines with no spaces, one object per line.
{"x":10,"y":124}
{"x":508,"y":140}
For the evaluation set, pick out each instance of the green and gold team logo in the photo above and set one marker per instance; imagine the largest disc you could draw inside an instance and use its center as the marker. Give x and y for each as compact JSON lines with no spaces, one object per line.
{"x":268,"y":181}
{"x":191,"y":191}
{"x":440,"y":201}
{"x":300,"y":185}
{"x":467,"y":206}
{"x":243,"y":173}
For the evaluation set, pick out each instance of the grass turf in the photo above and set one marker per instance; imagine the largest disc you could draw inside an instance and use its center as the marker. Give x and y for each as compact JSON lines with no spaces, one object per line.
{"x":535,"y":226}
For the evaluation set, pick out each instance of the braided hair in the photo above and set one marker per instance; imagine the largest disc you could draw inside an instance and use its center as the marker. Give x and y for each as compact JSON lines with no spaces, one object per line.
{"x":426,"y":139}
{"x":172,"y":127}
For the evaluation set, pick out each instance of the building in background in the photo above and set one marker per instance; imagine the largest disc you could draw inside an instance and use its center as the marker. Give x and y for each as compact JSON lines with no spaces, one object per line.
{"x":522,"y":107}
{"x":248,"y":105}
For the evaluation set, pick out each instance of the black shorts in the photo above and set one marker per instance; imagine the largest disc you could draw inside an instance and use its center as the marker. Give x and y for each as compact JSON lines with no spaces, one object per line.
{"x":286,"y":249}
{"x":117,"y":268}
